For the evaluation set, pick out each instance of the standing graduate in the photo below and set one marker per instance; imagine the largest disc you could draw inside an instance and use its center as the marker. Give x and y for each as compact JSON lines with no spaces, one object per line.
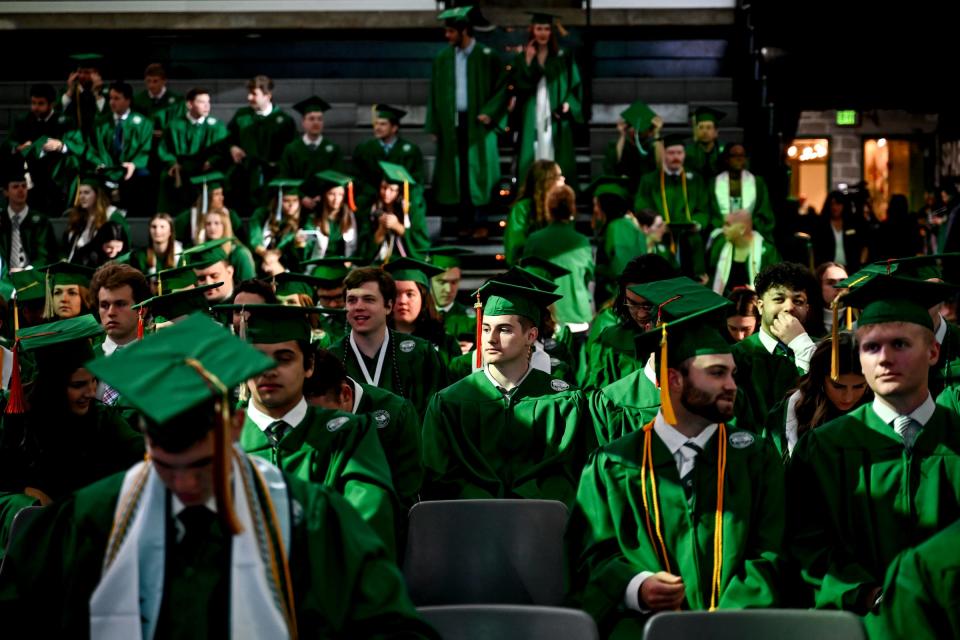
{"x":549,"y":93}
{"x":704,"y":154}
{"x":686,"y":513}
{"x":386,"y":145}
{"x":509,"y":430}
{"x":464,"y":111}
{"x":886,"y":476}
{"x":200,"y":540}
{"x":310,"y":153}
{"x":635,"y":152}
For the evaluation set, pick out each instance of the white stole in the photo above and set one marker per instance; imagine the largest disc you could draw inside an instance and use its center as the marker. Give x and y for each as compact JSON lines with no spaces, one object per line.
{"x":748,"y":191}
{"x":126,"y":602}
{"x":725,"y":263}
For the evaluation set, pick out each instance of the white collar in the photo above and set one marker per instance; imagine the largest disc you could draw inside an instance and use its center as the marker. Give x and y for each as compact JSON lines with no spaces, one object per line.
{"x":176,"y":506}
{"x":307,"y":141}
{"x":357,"y":394}
{"x":769,"y":342}
{"x":389,"y":143}
{"x":123,"y":116}
{"x":163,"y":92}
{"x":468,"y":50}
{"x":888,"y":414}
{"x":498,"y":386}
{"x":941,"y":331}
{"x":193,"y":120}
{"x":674,"y":440}
{"x":293,"y":417}
{"x":266,"y":111}
{"x":447,"y":308}
{"x":674,"y":173}
{"x":19,"y":216}
{"x":109,"y":346}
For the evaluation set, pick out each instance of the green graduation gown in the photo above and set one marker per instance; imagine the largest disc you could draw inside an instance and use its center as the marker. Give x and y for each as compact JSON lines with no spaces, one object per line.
{"x":649,"y":196}
{"x":398,"y":426}
{"x":190,"y":145}
{"x":480,"y":443}
{"x":58,"y":454}
{"x":161,"y":111}
{"x":412,"y":368}
{"x":521,"y":222}
{"x":341,"y":452}
{"x":706,"y":163}
{"x":263,"y":138}
{"x":136,"y":144}
{"x":366,"y":166}
{"x":609,"y":543}
{"x":624,"y":406}
{"x":37,"y":237}
{"x":564,"y":246}
{"x":946,"y":372}
{"x":459,"y":320}
{"x":563,"y":86}
{"x":300,"y":161}
{"x":763,"y":379}
{"x":632,"y":164}
{"x":344,"y":583}
{"x":613,"y":356}
{"x":622,"y":241}
{"x":921,"y":595}
{"x":486,"y":95}
{"x":858,"y":499}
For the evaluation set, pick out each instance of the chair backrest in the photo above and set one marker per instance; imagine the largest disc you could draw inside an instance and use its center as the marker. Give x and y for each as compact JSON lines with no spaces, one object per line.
{"x":782,"y":624}
{"x":509,"y":622}
{"x":20,"y":520}
{"x":486,"y":552}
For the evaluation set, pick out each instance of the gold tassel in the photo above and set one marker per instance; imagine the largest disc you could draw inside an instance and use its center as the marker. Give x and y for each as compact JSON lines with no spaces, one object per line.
{"x":666,"y":406}
{"x":406,"y":197}
{"x":835,"y":340}
{"x":244,"y":392}
{"x":47,"y":298}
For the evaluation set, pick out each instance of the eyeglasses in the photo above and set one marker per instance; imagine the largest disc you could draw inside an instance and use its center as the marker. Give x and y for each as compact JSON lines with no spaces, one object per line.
{"x":640,"y":306}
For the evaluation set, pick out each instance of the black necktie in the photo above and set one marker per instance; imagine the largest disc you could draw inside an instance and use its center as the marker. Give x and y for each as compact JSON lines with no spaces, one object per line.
{"x":275,"y":432}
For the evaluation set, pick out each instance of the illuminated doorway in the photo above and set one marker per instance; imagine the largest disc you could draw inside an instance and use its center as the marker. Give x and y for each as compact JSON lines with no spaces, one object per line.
{"x":809,"y":162}
{"x":892,"y":166}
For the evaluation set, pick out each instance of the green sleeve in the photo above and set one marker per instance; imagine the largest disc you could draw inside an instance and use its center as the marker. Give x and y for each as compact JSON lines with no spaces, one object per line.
{"x":714,"y":217}
{"x":757,"y":578}
{"x":10,"y":505}
{"x":496,"y":104}
{"x":167,"y":149}
{"x":437,"y":461}
{"x":285,"y":167}
{"x":518,"y":228}
{"x":255,"y":228}
{"x":574,"y":95}
{"x":648,"y":196}
{"x":139,"y":150}
{"x":242,"y":262}
{"x":402,"y":445}
{"x":699,"y":207}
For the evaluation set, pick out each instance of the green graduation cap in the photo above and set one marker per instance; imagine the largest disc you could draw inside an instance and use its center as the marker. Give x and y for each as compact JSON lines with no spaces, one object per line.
{"x":86,"y":59}
{"x":175,"y":279}
{"x":203,"y":255}
{"x":171,"y":372}
{"x":503,"y":299}
{"x":63,"y":272}
{"x":610,"y":185}
{"x":447,"y":256}
{"x":106,"y":178}
{"x":885,"y":298}
{"x":177,"y":370}
{"x":287,"y":284}
{"x":285,"y":187}
{"x":329,"y":179}
{"x":329,"y":270}
{"x":28,"y":284}
{"x":61,"y":346}
{"x":273,"y":323}
{"x":404,"y":269}
{"x":543,"y":269}
{"x":207,"y":183}
{"x":312,"y":104}
{"x":674,"y":140}
{"x":396,"y":174}
{"x":538,"y":17}
{"x":393,"y":114}
{"x":169,"y":307}
{"x":525,"y":278}
{"x":457,"y":15}
{"x":707,"y":114}
{"x":638,"y":115}
{"x":688,"y":325}
{"x":919,"y":267}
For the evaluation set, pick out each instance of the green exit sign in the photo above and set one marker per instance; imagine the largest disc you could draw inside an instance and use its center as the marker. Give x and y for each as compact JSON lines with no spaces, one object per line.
{"x":846,"y":118}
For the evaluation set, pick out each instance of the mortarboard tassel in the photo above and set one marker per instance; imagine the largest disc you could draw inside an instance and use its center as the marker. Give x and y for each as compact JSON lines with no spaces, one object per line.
{"x":279,"y":213}
{"x":350,"y":201}
{"x":718,"y":520}
{"x":834,"y":340}
{"x":140,"y":314}
{"x":406,"y":197}
{"x":16,"y":317}
{"x":243,"y":394}
{"x":205,"y":202}
{"x":221,"y":452}
{"x":15,"y":403}
{"x":47,"y":298}
{"x":647,"y":461}
{"x":849,"y":319}
{"x":666,"y":406}
{"x":479,"y":308}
